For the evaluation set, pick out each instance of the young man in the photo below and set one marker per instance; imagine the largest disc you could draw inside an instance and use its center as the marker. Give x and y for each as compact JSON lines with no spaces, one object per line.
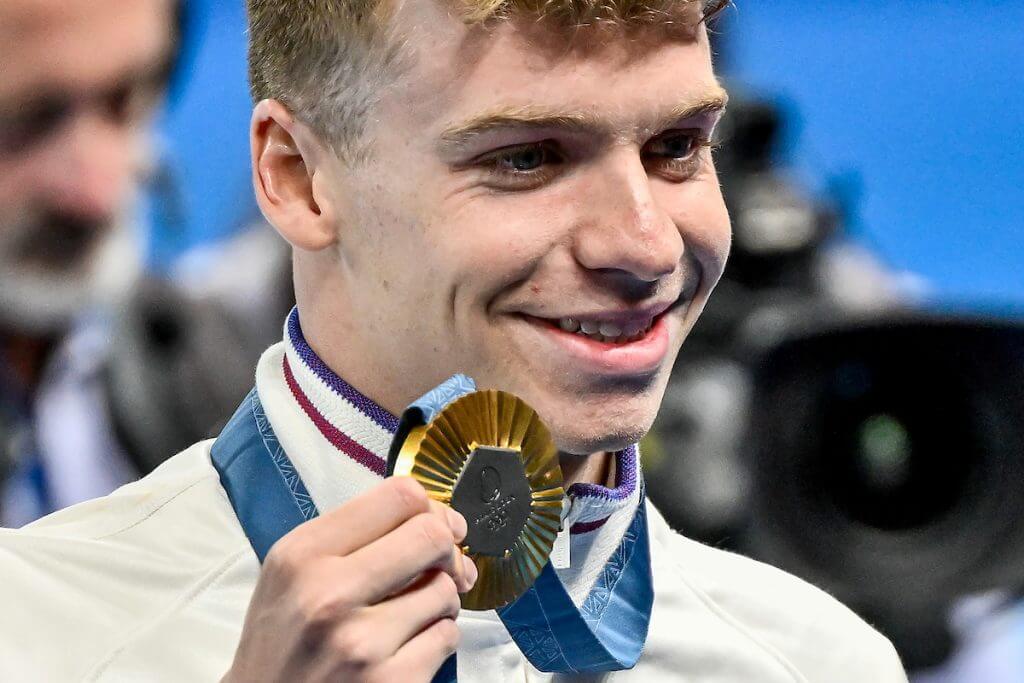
{"x":521,"y":192}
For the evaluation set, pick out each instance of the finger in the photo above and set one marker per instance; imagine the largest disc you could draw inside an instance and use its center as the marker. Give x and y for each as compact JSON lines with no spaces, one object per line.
{"x":398,"y":620}
{"x":363,"y":519}
{"x":423,"y":655}
{"x":455,"y":520}
{"x":392,"y":562}
{"x":465,"y":571}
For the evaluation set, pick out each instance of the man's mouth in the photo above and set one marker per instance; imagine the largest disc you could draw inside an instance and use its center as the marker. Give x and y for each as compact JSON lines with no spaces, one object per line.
{"x":56,"y":243}
{"x":608,"y":332}
{"x":618,"y":342}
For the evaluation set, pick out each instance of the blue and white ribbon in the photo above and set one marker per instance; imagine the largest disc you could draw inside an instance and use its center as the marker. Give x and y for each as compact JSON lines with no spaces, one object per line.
{"x":606,"y":633}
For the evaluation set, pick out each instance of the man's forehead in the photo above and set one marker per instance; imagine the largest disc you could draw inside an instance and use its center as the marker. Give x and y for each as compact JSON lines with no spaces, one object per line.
{"x":468,"y":75}
{"x":64,"y":43}
{"x":27,"y":19}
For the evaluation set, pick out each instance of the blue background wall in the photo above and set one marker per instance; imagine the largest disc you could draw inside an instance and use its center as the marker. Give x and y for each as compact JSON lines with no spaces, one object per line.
{"x":922,"y":101}
{"x":206,"y":130}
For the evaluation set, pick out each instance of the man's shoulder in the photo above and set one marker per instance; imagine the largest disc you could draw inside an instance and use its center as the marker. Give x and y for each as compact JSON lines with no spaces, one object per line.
{"x":799,"y":623}
{"x":185,"y":485}
{"x":178,"y":514}
{"x":96,"y":575}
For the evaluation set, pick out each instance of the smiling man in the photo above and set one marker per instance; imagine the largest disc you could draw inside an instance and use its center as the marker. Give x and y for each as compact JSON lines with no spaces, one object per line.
{"x":522,"y":192}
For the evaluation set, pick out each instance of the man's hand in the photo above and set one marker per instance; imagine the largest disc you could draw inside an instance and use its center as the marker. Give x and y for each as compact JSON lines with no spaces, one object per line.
{"x":367,"y":592}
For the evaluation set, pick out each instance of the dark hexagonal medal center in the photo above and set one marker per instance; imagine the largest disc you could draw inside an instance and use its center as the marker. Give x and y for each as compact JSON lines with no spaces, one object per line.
{"x":493,"y":495}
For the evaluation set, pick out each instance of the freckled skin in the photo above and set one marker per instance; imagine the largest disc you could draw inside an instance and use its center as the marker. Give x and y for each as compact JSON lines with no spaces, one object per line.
{"x":434,"y":269}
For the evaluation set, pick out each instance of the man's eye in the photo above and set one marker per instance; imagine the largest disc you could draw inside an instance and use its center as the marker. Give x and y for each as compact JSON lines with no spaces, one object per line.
{"x":674,"y":146}
{"x":130,"y":102}
{"x":523,"y":167}
{"x":677,"y":155}
{"x":33,"y":126}
{"x":522,"y":159}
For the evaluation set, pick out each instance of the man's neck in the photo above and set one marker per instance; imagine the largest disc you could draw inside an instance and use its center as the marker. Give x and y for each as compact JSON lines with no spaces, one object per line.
{"x":587,"y":469}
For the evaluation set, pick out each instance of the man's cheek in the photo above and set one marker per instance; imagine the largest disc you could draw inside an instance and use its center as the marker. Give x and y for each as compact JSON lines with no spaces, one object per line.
{"x":12,"y":191}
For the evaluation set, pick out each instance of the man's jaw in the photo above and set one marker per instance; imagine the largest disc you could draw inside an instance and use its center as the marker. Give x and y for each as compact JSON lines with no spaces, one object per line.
{"x":42,"y":292}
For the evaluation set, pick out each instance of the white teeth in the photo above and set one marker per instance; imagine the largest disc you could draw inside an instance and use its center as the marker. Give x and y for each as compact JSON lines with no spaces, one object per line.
{"x":606,"y":332}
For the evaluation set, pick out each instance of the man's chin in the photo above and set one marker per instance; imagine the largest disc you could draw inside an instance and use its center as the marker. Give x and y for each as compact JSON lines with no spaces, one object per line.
{"x":39,"y":306}
{"x":606,"y":438}
{"x":37,"y":301}
{"x":585,"y":420}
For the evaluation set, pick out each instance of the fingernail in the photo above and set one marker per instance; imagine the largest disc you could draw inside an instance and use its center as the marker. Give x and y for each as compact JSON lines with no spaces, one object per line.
{"x":457,"y":523}
{"x":471,"y":572}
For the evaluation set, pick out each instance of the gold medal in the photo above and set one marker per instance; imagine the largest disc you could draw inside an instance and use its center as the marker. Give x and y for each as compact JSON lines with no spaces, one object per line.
{"x":489,"y":456}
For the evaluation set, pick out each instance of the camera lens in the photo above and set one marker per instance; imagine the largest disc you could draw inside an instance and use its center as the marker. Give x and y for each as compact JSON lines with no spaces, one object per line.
{"x":899,"y":444}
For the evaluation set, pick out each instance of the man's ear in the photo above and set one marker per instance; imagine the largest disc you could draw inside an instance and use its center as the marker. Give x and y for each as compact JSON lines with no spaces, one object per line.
{"x":290,"y":165}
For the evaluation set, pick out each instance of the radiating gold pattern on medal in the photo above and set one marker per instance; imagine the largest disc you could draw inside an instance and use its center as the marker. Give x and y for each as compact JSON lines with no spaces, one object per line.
{"x":436,"y":455}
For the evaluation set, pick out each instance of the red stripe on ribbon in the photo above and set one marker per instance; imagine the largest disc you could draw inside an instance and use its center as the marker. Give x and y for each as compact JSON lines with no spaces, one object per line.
{"x":336,"y":437}
{"x":587,"y":527}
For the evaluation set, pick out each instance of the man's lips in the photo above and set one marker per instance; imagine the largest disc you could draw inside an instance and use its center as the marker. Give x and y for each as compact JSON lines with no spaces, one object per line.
{"x":638,"y":345}
{"x":610,"y":323}
{"x":60,"y":242}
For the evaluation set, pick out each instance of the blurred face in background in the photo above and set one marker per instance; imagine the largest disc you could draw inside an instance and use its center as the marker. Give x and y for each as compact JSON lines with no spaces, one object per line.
{"x":79,"y":82}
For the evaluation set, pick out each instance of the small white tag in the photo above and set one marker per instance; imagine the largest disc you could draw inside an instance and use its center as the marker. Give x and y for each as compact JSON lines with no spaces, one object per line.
{"x":560,"y":552}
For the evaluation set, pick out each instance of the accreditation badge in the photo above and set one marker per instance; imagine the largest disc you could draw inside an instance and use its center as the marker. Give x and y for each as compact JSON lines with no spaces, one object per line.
{"x":488,"y":455}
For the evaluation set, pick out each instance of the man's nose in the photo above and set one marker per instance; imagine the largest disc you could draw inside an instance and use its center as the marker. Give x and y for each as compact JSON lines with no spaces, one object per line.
{"x":91,"y":167}
{"x":623,"y":229}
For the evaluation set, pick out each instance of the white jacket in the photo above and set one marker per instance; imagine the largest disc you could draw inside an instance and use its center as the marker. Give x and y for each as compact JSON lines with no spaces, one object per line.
{"x":152,"y":582}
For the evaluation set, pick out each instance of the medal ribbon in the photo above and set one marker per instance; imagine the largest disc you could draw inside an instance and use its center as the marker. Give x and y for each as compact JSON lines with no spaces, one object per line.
{"x":606,"y":633}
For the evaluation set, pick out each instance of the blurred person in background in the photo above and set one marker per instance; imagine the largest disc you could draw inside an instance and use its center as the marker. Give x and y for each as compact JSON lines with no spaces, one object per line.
{"x":79,"y":86}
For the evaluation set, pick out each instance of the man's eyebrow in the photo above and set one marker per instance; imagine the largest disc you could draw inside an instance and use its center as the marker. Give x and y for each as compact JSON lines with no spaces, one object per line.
{"x":533,"y":117}
{"x":713,"y":103}
{"x":526,"y":116}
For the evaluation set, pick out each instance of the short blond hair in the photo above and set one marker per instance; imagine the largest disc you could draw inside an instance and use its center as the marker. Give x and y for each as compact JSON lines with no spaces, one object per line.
{"x":326,"y":59}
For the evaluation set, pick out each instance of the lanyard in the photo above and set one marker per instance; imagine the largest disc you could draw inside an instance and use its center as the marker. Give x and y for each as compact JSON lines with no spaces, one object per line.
{"x":606,"y":633}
